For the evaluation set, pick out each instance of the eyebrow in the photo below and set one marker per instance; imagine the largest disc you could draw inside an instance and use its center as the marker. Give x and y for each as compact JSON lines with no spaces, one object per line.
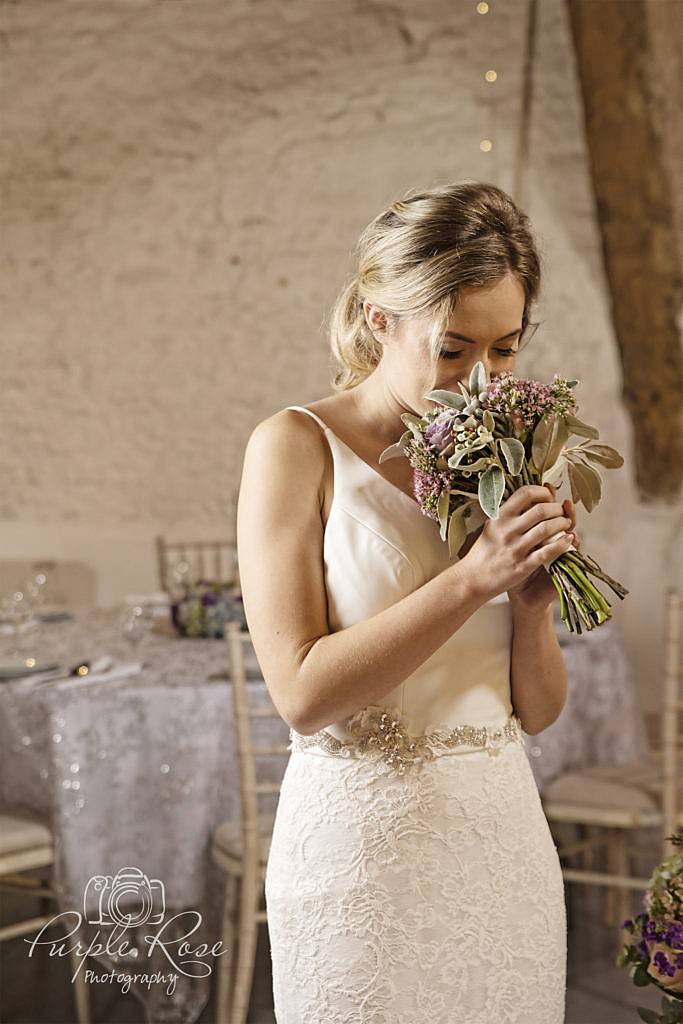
{"x":461,"y":337}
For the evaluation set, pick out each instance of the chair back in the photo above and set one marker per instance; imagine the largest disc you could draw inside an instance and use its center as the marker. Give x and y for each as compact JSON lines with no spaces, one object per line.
{"x":206,"y":559}
{"x":672,"y":715}
{"x":245,"y":713}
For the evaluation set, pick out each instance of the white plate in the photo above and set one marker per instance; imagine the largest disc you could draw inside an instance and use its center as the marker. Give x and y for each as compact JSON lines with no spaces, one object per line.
{"x":19,"y":669}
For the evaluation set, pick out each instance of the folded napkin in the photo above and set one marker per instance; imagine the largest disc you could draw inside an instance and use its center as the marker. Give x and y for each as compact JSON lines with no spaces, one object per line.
{"x":119,"y":670}
{"x":99,"y":673}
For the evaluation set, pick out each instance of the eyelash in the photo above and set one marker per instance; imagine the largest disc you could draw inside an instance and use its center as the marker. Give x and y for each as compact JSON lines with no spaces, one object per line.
{"x":507,"y":352}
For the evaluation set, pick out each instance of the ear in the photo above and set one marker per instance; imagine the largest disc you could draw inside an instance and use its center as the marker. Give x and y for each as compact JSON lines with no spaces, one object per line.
{"x":377,"y":320}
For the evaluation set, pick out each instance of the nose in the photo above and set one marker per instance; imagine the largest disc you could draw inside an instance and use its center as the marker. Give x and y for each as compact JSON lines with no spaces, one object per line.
{"x":488,"y":365}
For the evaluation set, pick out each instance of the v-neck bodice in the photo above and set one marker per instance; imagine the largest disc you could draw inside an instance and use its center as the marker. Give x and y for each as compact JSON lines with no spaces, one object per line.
{"x":379,"y":547}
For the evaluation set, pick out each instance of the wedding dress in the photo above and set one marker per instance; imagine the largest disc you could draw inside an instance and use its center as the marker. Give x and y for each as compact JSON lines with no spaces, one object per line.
{"x":413,"y":885}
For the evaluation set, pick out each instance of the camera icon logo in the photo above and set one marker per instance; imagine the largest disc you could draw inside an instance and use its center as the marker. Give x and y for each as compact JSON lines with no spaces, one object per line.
{"x":128,"y":898}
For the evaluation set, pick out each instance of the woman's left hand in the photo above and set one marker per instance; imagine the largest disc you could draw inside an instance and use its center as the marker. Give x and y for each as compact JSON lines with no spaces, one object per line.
{"x":537,"y":592}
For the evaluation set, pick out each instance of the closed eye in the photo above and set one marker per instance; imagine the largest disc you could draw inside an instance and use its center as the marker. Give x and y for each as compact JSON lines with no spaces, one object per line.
{"x":507,"y":352}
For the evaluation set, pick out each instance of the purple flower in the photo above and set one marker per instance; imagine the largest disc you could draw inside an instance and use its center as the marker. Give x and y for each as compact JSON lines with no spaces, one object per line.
{"x":439,"y":433}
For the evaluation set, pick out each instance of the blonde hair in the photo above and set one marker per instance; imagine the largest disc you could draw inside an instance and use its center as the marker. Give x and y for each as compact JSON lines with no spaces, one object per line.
{"x":413,"y":259}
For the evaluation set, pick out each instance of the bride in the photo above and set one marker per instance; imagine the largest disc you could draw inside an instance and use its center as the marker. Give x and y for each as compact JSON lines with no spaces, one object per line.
{"x":412,"y":877}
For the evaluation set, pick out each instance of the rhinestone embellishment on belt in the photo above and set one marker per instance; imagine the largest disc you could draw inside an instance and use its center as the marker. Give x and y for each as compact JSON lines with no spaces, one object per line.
{"x":381,"y":732}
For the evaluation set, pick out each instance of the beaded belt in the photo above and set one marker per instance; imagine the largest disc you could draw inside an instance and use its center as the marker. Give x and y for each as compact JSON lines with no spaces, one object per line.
{"x":381,"y":732}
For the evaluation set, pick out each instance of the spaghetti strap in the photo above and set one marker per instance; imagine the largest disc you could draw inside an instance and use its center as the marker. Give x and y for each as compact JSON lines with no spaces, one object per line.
{"x":310,"y":413}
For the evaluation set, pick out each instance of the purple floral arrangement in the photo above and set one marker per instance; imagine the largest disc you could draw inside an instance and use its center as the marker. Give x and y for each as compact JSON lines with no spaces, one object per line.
{"x":205,"y":606}
{"x":492,"y":438}
{"x":653,"y":946}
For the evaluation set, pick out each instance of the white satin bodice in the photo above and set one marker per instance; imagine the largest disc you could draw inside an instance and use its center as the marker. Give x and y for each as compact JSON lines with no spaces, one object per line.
{"x":378,"y":547}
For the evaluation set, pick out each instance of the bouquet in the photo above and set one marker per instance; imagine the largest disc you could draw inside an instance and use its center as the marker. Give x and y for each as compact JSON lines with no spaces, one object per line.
{"x":492,"y":438}
{"x":205,"y":607}
{"x":653,"y":947}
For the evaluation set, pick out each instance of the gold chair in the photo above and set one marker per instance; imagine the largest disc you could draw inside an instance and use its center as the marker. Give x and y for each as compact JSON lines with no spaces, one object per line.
{"x":25,"y":846}
{"x":241,"y":848}
{"x":213,"y":559}
{"x":615,"y":800}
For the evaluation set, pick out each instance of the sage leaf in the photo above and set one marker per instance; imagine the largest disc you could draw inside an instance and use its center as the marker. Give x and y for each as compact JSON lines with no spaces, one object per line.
{"x":413,"y":423}
{"x":490,"y":490}
{"x":488,"y":420}
{"x":550,"y":437}
{"x":586,"y":485}
{"x":477,"y":381}
{"x":449,"y":398}
{"x":457,"y":529}
{"x":602,"y":453}
{"x":578,"y":427}
{"x":456,"y":458}
{"x":513,"y":453}
{"x":394,"y":450}
{"x":442,"y":507}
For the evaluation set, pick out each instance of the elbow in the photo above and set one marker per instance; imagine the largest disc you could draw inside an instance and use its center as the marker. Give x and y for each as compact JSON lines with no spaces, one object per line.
{"x":302,"y":722}
{"x":533,"y":726}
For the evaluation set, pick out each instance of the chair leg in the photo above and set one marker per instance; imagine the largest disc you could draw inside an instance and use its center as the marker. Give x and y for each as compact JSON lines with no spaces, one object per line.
{"x":246,"y":946}
{"x":584,"y":856}
{"x":623,"y":867}
{"x":81,"y":990}
{"x":616,"y":852}
{"x":229,"y":939}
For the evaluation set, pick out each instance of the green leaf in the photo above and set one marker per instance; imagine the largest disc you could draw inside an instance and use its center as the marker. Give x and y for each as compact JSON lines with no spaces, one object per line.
{"x":488,"y":419}
{"x":553,"y":474}
{"x":550,"y":437}
{"x":586,"y":485}
{"x":490,"y":491}
{"x":602,"y":453}
{"x":477,"y":381}
{"x":641,"y":977}
{"x":450,"y":398}
{"x":457,"y":529}
{"x":578,"y":427}
{"x":476,"y":467}
{"x":672,"y":1009}
{"x":413,"y":422}
{"x":394,"y":450}
{"x":456,"y":458}
{"x":513,"y":453}
{"x":442,"y":507}
{"x":649,"y":1016}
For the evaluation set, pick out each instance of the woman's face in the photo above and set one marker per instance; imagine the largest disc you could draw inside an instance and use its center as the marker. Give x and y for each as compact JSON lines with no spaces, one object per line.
{"x":486,"y":326}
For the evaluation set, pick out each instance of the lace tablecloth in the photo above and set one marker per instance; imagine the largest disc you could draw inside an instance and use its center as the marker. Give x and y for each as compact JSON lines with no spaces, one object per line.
{"x":135,"y":774}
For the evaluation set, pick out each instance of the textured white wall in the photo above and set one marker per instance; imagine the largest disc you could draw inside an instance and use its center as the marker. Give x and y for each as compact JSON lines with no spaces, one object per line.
{"x":183,"y":184}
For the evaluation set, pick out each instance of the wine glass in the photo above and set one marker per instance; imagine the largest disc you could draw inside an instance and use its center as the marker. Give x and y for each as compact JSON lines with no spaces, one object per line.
{"x":19,"y":614}
{"x":44,"y":587}
{"x":136,"y":622}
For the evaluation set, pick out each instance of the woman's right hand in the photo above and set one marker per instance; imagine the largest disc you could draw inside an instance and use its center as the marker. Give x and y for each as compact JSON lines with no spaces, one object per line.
{"x":511,"y":547}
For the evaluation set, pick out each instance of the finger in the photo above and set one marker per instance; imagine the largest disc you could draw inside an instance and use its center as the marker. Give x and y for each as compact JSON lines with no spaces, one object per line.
{"x":538,"y":513}
{"x":547,"y":553}
{"x":546,"y":533}
{"x":523,"y":498}
{"x":569,"y":509}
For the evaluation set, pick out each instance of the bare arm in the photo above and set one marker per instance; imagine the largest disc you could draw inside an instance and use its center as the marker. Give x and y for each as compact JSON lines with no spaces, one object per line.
{"x":313,"y":676}
{"x":538,"y":676}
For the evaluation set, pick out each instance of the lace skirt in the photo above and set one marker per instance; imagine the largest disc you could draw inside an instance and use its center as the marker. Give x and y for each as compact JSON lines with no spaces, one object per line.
{"x":429,"y":896}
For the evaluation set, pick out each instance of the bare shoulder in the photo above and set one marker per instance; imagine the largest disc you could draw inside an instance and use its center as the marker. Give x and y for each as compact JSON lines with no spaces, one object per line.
{"x":290,"y":436}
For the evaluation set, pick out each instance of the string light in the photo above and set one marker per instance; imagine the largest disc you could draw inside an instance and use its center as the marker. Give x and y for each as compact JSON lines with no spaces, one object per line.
{"x":486,"y":145}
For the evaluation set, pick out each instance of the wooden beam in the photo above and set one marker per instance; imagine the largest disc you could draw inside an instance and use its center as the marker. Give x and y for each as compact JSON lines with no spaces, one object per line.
{"x":633,"y":187}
